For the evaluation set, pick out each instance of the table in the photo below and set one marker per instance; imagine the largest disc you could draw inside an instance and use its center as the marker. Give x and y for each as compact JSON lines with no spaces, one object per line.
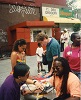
{"x":37,"y":95}
{"x":50,"y":95}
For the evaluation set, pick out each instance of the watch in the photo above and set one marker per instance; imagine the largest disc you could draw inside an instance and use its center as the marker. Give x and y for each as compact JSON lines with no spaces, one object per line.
{"x":34,"y":82}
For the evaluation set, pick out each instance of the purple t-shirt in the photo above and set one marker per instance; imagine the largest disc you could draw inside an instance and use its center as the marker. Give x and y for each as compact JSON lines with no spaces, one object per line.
{"x":10,"y":90}
{"x":73,"y":57}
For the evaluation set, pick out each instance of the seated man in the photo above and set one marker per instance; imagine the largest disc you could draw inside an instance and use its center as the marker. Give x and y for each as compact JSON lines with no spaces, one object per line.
{"x":67,"y":84}
{"x":10,"y":89}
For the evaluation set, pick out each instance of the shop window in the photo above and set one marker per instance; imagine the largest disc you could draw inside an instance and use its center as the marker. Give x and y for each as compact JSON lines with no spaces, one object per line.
{"x":35,"y":32}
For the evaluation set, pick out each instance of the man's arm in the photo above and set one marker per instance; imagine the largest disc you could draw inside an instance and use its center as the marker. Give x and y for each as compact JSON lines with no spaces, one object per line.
{"x":37,"y":54}
{"x":73,"y":98}
{"x":51,"y":70}
{"x":54,"y":57}
{"x":29,"y":81}
{"x":50,"y":73}
{"x":36,"y":83}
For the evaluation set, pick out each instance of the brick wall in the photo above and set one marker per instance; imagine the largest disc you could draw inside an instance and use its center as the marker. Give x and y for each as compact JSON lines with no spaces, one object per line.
{"x":37,"y":2}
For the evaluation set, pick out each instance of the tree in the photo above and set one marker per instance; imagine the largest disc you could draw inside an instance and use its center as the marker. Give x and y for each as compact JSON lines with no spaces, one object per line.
{"x":76,"y":27}
{"x":74,"y":4}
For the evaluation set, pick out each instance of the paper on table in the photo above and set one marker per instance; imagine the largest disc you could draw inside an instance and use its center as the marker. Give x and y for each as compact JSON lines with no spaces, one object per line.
{"x":28,"y":86}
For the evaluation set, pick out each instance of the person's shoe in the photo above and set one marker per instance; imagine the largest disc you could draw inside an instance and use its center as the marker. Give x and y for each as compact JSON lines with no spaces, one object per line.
{"x":43,"y":70}
{"x":38,"y":71}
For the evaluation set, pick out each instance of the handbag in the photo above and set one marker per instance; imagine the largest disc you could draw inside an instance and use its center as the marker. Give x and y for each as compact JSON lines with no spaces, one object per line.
{"x":44,"y":60}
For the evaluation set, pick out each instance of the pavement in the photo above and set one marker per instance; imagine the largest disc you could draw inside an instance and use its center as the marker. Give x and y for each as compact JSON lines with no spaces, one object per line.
{"x":5,"y":67}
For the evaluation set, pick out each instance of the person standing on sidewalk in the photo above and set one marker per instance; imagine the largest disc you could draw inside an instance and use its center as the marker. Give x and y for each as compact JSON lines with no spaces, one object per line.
{"x":66,"y":38}
{"x":39,"y":52}
{"x":62,"y":40}
{"x":52,"y":47}
{"x":73,"y":54}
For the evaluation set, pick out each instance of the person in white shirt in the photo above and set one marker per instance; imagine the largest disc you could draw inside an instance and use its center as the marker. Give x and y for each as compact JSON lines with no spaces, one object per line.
{"x":64,"y":39}
{"x":39,"y":52}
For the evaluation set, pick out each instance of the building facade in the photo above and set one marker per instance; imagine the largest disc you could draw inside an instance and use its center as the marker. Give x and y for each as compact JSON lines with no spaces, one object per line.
{"x":13,"y":12}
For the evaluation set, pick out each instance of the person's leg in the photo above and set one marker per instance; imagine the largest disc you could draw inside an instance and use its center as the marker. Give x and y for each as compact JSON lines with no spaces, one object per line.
{"x":38,"y":64}
{"x":62,"y":47}
{"x":41,"y":65}
{"x":43,"y":71}
{"x":49,"y":65}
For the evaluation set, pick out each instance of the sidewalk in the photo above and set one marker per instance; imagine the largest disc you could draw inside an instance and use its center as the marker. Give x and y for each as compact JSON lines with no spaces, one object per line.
{"x":5,"y":67}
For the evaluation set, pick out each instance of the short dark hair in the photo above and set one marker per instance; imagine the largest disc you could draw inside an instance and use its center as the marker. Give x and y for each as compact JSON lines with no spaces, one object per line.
{"x":17,"y":43}
{"x":73,"y":36}
{"x":39,"y":44}
{"x":20,"y":69}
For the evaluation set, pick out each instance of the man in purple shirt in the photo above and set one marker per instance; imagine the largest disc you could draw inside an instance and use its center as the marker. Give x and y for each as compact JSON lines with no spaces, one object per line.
{"x":10,"y":89}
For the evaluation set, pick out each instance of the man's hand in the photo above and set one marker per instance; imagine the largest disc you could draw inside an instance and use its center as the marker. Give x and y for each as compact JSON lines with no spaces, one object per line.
{"x":24,"y":92}
{"x":39,"y":85}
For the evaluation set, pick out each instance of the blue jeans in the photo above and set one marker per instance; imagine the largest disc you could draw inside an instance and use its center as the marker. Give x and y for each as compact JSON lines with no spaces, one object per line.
{"x":78,"y":74}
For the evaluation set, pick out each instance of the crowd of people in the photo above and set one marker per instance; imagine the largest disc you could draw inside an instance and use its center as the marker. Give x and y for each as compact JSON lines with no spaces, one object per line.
{"x":64,"y":73}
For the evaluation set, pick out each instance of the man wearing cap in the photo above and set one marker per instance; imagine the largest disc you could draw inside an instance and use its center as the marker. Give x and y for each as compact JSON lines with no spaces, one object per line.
{"x":62,"y":41}
{"x":65,"y":38}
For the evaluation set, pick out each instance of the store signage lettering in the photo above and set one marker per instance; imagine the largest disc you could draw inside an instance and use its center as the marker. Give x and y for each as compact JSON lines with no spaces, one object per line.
{"x":49,"y":11}
{"x":66,"y":13}
{"x":52,"y":11}
{"x":22,"y":9}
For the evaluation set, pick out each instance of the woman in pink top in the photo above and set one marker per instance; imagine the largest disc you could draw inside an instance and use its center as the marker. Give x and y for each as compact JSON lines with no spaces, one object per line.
{"x":72,"y":54}
{"x":67,"y":84}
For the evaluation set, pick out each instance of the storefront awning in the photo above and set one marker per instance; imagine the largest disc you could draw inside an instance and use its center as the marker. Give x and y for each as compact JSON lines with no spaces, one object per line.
{"x":61,"y":20}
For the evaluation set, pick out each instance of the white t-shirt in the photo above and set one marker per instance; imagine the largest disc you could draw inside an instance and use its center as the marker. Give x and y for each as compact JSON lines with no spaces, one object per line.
{"x":40,"y":52}
{"x":64,"y":36}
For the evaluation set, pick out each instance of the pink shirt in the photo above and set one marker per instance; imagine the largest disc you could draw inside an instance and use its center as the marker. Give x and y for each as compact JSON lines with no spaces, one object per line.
{"x":73,"y":85}
{"x":73,"y":57}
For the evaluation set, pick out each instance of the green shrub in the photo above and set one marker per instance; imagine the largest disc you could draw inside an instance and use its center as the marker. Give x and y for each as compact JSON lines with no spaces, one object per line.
{"x":76,"y":27}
